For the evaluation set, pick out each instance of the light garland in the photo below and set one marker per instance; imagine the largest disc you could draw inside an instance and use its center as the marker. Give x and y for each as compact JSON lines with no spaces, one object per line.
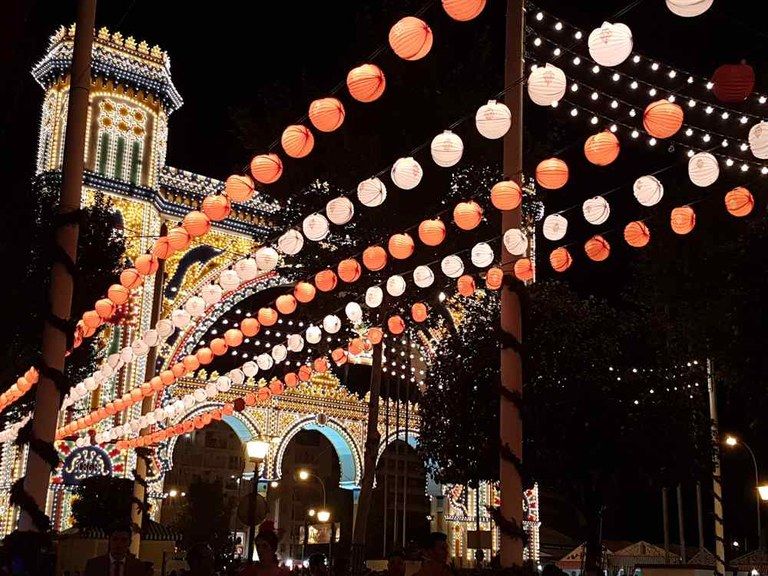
{"x":10,"y":432}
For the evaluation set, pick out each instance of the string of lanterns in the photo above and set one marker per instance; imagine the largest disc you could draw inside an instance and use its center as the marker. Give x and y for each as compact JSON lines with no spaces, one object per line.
{"x":11,"y":432}
{"x":23,"y":384}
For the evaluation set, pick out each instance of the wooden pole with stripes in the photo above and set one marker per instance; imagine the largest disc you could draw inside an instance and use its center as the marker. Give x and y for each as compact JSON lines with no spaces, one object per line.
{"x":717,"y":489}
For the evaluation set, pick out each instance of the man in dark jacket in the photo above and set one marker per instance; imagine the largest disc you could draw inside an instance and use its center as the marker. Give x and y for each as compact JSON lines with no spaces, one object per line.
{"x":118,"y":561}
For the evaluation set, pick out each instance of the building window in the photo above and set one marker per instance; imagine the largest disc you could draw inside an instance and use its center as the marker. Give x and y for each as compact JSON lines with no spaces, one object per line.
{"x":103,"y":152}
{"x":120,"y":157}
{"x":135,"y":162}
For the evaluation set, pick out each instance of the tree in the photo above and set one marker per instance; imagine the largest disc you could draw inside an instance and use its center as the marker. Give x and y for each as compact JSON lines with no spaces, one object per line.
{"x":102,"y":501}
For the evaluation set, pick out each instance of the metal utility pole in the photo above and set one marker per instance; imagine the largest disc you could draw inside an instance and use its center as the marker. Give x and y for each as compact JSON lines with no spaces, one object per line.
{"x":511,"y":426}
{"x":55,"y":330}
{"x":680,"y":525}
{"x":700,"y":515}
{"x":717,"y":489}
{"x":665,"y":519}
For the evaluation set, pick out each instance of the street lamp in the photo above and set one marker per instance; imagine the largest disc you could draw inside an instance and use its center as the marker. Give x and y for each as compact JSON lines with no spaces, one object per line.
{"x":257,"y":452}
{"x":323,"y":515}
{"x":733,"y":441}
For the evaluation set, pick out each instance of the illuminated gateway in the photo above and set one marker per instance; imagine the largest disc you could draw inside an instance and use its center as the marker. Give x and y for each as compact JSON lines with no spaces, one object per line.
{"x":132,"y":97}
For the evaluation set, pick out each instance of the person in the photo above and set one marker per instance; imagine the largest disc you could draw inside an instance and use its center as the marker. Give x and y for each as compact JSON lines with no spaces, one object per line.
{"x":395,"y":563}
{"x":266,"y":549}
{"x":435,"y":556}
{"x":117,"y":561}
{"x":200,"y":560}
{"x":317,"y":565}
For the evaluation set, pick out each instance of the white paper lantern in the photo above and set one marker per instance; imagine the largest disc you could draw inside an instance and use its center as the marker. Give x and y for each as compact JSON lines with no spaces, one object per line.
{"x":151,"y":337}
{"x":229,"y":280}
{"x":315,"y":227}
{"x":482,"y":255}
{"x":237,"y":376}
{"x":689,"y":8}
{"x":223,"y":384}
{"x":331,"y":324}
{"x":126,"y":354}
{"x":267,"y":258}
{"x":195,"y":306}
{"x":313,"y":334}
{"x":106,"y":370}
{"x":279,"y":352}
{"x":136,"y":424}
{"x":81,"y":390}
{"x":703,"y":169}
{"x":160,"y":414}
{"x":554,"y":228}
{"x":210,"y":390}
{"x":423,"y":276}
{"x":395,"y":285}
{"x":452,"y":266}
{"x":211,"y":294}
{"x":447,"y":149}
{"x":246,"y":269}
{"x":371,"y":192}
{"x":493,"y":119}
{"x":150,"y":418}
{"x":98,"y":378}
{"x":170,"y":410}
{"x":354,"y":312}
{"x":546,"y":85}
{"x":648,"y":190}
{"x":250,"y":369}
{"x":181,"y":318}
{"x":291,"y":242}
{"x":758,"y":140}
{"x":596,"y":210}
{"x":113,"y":360}
{"x":610,"y":44}
{"x":90,"y":384}
{"x":199,"y":395}
{"x":374,"y":297}
{"x":295,"y":343}
{"x":340,"y":210}
{"x":140,"y":348}
{"x":164,"y":328}
{"x":406,"y":173}
{"x":179,"y":406}
{"x":264,"y":361}
{"x":515,"y":241}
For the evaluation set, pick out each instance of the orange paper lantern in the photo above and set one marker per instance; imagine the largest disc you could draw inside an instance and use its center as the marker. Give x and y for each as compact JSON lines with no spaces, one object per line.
{"x":146,"y":264}
{"x":356,"y":346}
{"x":682,"y":219}
{"x":105,"y":308}
{"x":320,"y":365}
{"x":467,"y":215}
{"x":216,"y":207}
{"x":196,"y":223}
{"x":266,"y":168}
{"x":560,"y":259}
{"x":267,"y":316}
{"x":326,"y":114}
{"x":179,"y":370}
{"x":552,"y":173}
{"x":305,"y":373}
{"x":130,"y":278}
{"x":339,"y":357}
{"x":466,"y":285}
{"x":276,"y":387}
{"x":524,"y":270}
{"x":739,"y":202}
{"x":366,"y":83}
{"x":167,"y":377}
{"x":733,"y":82}
{"x":233,"y":337}
{"x":119,"y":294}
{"x":419,"y":312}
{"x":401,"y":246}
{"x":506,"y":195}
{"x":396,"y":325}
{"x":297,"y":141}
{"x":603,"y":148}
{"x":179,"y":238}
{"x":162,"y":248}
{"x":218,"y":346}
{"x":291,"y":379}
{"x":325,"y":280}
{"x":349,"y":270}
{"x":92,"y":319}
{"x":375,"y":335}
{"x":636,"y":234}
{"x":432,"y":232}
{"x":264,"y":394}
{"x":463,"y":10}
{"x":411,"y":38}
{"x":304,"y":292}
{"x":285,"y":304}
{"x":250,"y":327}
{"x":239,"y":188}
{"x":374,"y":258}
{"x":493,"y":278}
{"x":662,"y":118}
{"x":597,"y":248}
{"x":191,"y":362}
{"x":204,"y":356}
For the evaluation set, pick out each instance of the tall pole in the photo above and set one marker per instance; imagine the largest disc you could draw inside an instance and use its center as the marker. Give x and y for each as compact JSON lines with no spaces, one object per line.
{"x":55,"y":333}
{"x":386,"y":470}
{"x":511,"y":426}
{"x":700,"y":515}
{"x":680,"y":525}
{"x":406,"y":456}
{"x":717,"y":489}
{"x":252,"y":510}
{"x":665,"y":515}
{"x":757,"y":495}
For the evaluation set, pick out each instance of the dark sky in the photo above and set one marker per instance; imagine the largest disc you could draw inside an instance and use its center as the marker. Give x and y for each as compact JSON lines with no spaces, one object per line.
{"x":247,"y":69}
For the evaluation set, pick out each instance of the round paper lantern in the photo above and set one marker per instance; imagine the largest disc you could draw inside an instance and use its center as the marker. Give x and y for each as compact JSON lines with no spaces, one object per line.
{"x":264,"y":361}
{"x":366,"y":83}
{"x":662,"y":118}
{"x":146,"y":264}
{"x":689,"y":8}
{"x":349,"y":270}
{"x":506,"y":195}
{"x":374,"y":258}
{"x":552,"y":173}
{"x":636,"y":234}
{"x":423,"y":276}
{"x":315,"y":227}
{"x":291,"y":380}
{"x":267,"y":316}
{"x":555,"y":227}
{"x":406,"y":173}
{"x":410,"y":38}
{"x":494,"y":278}
{"x":758,"y":140}
{"x":216,"y":207}
{"x":326,"y":114}
{"x":130,"y":278}
{"x":446,"y":149}
{"x":597,"y":248}
{"x":515,"y":241}
{"x":313,"y":334}
{"x":733,"y":82}
{"x":305,"y":373}
{"x":279,"y":352}
{"x":738,"y":202}
{"x":524,"y":270}
{"x":482,"y":255}
{"x":229,"y":280}
{"x":432,"y":232}
{"x":195,"y":306}
{"x":610,"y":44}
{"x":353,"y":312}
{"x":601,"y":149}
{"x":326,"y":280}
{"x":682,"y":220}
{"x":295,"y":343}
{"x":204,"y":356}
{"x":331,"y":324}
{"x":320,"y":365}
{"x":339,"y":357}
{"x":355,"y":346}
{"x":246,"y":269}
{"x":371,"y":192}
{"x":419,"y":312}
{"x":239,"y":188}
{"x":467,"y":215}
{"x":703,"y":169}
{"x":648,"y":190}
{"x":211,"y":293}
{"x":396,"y":325}
{"x":250,"y":369}
{"x":285,"y":304}
{"x":191,"y":362}
{"x":546,"y":85}
{"x":105,"y":308}
{"x":304,"y":292}
{"x":266,"y":168}
{"x":396,"y":285}
{"x":373,"y":297}
{"x":267,"y":259}
{"x":179,"y":238}
{"x":340,"y":210}
{"x":560,"y":259}
{"x":596,"y":210}
{"x":452,"y":266}
{"x":375,"y":335}
{"x":218,"y":346}
{"x":250,"y":327}
{"x":401,"y":246}
{"x":118,"y":294}
{"x":162,"y":248}
{"x":291,"y":242}
{"x":466,"y":285}
{"x":297,"y":141}
{"x":493,"y":119}
{"x":196,"y":223}
{"x":463,"y":10}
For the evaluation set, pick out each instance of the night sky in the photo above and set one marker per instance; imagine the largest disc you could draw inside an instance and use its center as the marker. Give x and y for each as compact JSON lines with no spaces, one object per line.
{"x":246,"y":70}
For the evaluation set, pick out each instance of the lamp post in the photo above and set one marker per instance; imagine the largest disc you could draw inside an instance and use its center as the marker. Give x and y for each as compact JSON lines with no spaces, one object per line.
{"x":257,"y":452}
{"x":732,"y":441}
{"x":322,"y":515}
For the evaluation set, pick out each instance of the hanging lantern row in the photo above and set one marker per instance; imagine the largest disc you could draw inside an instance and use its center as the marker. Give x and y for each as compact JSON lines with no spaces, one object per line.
{"x":22,"y":385}
{"x":11,"y":432}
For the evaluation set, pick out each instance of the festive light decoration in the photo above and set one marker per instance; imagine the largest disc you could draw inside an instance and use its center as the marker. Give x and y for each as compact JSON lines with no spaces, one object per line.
{"x":396,"y":325}
{"x":313,"y":334}
{"x":229,"y":280}
{"x":463,"y":10}
{"x":682,"y":220}
{"x":452,"y":266}
{"x":266,"y":168}
{"x":597,"y":248}
{"x":266,"y":259}
{"x":560,"y":259}
{"x":506,"y":195}
{"x":447,"y":149}
{"x":374,"y":296}
{"x":349,"y":270}
{"x":610,"y":44}
{"x":304,"y":292}
{"x":482,"y":255}
{"x":250,"y":327}
{"x":552,"y":174}
{"x":493,"y":120}
{"x":733,"y":82}
{"x":494,"y":278}
{"x":326,"y":114}
{"x":354,"y":312}
{"x":636,"y":234}
{"x":340,"y":210}
{"x":423,"y":276}
{"x":523,"y":270}
{"x":297,"y":141}
{"x":465,"y":285}
{"x":546,"y":85}
{"x":663,"y":119}
{"x":374,"y":258}
{"x":689,"y":8}
{"x":703,"y":169}
{"x":366,"y":83}
{"x":596,"y":210}
{"x":758,"y":140}
{"x":267,"y":316}
{"x":432,"y":232}
{"x":554,"y":228}
{"x":371,"y":192}
{"x":602,"y":148}
{"x":247,"y":269}
{"x":179,"y":238}
{"x":739,"y":202}
{"x":239,"y":188}
{"x":315,"y":227}
{"x":291,"y":242}
{"x":467,"y":215}
{"x":515,"y":241}
{"x":196,"y":224}
{"x":325,"y":281}
{"x":419,"y":312}
{"x":285,"y":304}
{"x":648,"y":190}
{"x":406,"y":173}
{"x":331,"y":324}
{"x":396,"y":285}
{"x":411,"y":38}
{"x":195,"y":306}
{"x":401,"y":246}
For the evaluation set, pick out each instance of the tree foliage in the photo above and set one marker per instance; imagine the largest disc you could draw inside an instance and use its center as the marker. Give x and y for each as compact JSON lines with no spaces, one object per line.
{"x":102,"y":501}
{"x":205,"y":517}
